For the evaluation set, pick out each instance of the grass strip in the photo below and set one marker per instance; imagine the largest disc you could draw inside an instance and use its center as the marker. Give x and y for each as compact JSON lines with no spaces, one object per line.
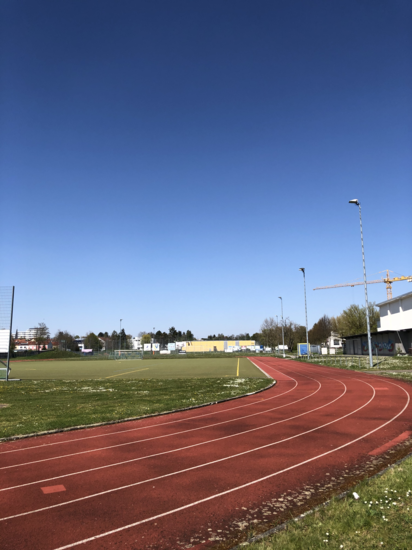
{"x":362,"y":363}
{"x":36,"y":406}
{"x":380,"y":518}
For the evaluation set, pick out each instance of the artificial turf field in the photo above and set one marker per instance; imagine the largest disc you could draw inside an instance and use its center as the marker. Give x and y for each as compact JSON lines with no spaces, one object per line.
{"x":135,"y":369}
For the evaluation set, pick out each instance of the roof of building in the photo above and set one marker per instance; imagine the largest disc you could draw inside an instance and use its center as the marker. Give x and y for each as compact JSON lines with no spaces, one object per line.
{"x":395,"y":299}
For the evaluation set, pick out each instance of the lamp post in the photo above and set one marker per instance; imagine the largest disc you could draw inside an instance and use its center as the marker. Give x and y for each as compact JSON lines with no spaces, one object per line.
{"x":120,"y":335}
{"x":302,"y":269}
{"x":277,"y":324}
{"x":283,"y":337}
{"x":355,"y":201}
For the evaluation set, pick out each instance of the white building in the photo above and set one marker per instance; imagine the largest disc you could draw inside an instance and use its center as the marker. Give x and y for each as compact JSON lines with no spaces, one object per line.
{"x":396,"y":314}
{"x":137,"y":342}
{"x":27,"y":334}
{"x":334,"y":341}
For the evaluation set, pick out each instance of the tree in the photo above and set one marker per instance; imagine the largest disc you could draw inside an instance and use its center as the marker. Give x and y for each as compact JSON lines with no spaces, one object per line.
{"x":353,"y":320}
{"x":123,"y":340}
{"x":268,"y":332}
{"x":172,"y":334}
{"x":66,"y":340}
{"x":320,"y":331}
{"x":91,"y":341}
{"x":189,"y":335}
{"x":42,"y":334}
{"x":146,"y":338}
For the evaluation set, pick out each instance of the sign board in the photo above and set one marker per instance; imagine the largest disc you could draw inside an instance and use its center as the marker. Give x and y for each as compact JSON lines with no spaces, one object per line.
{"x":156,"y":347}
{"x":147,"y":347}
{"x":171,"y":347}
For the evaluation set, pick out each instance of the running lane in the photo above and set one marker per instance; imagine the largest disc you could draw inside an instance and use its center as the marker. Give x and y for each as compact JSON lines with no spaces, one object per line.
{"x":172,"y":481}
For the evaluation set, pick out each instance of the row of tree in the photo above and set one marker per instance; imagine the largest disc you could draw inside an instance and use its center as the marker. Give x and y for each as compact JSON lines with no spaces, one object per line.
{"x":350,"y":322}
{"x":220,"y":336}
{"x":164,"y":338}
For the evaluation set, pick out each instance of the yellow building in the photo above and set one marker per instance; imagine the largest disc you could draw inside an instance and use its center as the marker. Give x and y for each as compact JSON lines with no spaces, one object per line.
{"x":199,"y":346}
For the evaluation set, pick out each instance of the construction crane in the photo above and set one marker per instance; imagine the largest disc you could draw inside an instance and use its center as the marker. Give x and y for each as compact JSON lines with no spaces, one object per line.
{"x":388,"y":280}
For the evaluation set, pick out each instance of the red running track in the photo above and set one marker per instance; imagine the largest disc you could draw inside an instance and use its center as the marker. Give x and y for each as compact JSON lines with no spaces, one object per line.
{"x":171,"y":481}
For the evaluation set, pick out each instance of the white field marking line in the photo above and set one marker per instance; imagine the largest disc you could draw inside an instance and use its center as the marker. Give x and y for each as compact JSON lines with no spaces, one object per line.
{"x":181,"y":448}
{"x":212,"y":497}
{"x":136,"y":442}
{"x":208,"y":464}
{"x":151,"y":425}
{"x":257,"y":366}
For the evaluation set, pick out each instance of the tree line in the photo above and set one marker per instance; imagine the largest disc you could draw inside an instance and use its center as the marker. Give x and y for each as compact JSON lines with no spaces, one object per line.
{"x":351,"y":321}
{"x":163,"y":338}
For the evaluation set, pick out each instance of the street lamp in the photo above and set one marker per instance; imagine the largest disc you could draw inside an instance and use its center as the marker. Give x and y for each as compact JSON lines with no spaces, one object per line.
{"x":355,"y":201}
{"x":120,"y":335}
{"x":283,"y":337}
{"x":302,"y":269}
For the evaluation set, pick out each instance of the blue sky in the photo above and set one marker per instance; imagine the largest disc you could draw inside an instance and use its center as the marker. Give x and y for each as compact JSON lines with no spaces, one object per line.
{"x":175,"y":163}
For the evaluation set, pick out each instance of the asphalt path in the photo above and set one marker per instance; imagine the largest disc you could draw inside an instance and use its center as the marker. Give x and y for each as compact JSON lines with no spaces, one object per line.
{"x":192,"y":477}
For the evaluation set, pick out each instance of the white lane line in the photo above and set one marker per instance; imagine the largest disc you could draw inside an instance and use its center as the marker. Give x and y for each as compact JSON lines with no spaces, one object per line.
{"x":245,"y":485}
{"x":135,"y":442}
{"x":119,"y":432}
{"x":88,"y":497}
{"x":182,"y":448}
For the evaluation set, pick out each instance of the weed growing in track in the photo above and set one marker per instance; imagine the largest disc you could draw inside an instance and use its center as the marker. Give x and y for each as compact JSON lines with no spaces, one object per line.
{"x":35,"y":406}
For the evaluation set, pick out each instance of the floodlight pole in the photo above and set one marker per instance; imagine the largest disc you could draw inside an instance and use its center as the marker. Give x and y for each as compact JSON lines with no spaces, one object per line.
{"x":302,"y":269}
{"x":11,"y":326}
{"x":283,"y":336}
{"x":355,"y":201}
{"x":120,"y":335}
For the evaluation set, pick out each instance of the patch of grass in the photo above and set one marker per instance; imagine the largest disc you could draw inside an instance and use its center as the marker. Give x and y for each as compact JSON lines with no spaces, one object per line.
{"x":381,"y":518}
{"x":362,"y":363}
{"x":35,"y":406}
{"x":136,"y":368}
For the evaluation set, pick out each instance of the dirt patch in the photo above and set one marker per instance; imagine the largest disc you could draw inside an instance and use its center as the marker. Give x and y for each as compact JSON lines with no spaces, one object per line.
{"x":4,"y":405}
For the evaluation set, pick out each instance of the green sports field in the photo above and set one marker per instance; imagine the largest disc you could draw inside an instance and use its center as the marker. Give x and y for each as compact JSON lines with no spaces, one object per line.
{"x":135,"y":369}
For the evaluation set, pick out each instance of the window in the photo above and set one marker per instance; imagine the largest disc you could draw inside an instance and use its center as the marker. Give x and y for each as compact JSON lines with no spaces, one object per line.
{"x":336,"y":342}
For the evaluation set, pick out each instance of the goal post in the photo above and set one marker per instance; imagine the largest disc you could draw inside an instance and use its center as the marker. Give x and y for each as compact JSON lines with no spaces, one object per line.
{"x":127,"y":354}
{"x":6,"y":325}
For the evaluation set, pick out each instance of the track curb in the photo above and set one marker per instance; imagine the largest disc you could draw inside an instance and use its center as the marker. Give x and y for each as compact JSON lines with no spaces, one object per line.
{"x":131,"y":419}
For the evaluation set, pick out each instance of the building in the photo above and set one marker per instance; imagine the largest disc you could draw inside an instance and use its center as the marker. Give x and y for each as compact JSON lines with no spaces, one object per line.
{"x":396,"y":313}
{"x":137,"y":343}
{"x":334,"y":341}
{"x":26,"y":334}
{"x":394,"y":334}
{"x":199,"y":346}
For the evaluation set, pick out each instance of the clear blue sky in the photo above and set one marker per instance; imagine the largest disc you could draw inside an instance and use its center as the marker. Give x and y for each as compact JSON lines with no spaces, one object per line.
{"x":175,"y":163}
